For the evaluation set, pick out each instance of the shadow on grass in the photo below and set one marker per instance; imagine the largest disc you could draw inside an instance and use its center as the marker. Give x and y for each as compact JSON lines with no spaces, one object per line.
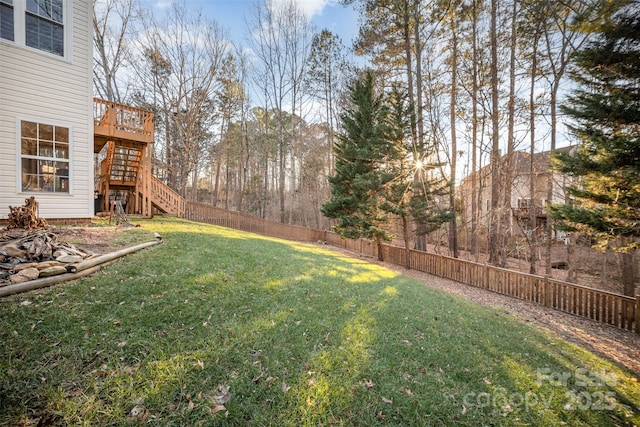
{"x":297,"y":334}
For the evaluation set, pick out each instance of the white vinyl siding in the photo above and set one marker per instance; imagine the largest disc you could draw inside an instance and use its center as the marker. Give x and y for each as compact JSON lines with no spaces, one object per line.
{"x":39,"y":87}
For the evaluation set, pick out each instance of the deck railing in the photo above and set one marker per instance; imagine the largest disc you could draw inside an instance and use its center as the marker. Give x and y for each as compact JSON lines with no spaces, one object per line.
{"x":166,"y":199}
{"x":121,"y":121}
{"x":606,"y":307}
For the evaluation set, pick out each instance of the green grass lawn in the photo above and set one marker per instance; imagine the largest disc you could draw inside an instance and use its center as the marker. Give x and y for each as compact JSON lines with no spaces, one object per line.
{"x":220,"y":327}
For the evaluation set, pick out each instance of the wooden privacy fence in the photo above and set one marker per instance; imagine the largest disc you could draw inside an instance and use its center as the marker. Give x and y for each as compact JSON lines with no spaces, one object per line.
{"x":606,"y":307}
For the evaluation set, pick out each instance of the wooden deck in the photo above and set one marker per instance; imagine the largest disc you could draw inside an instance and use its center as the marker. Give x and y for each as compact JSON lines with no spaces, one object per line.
{"x":128,"y":133}
{"x":120,"y":123}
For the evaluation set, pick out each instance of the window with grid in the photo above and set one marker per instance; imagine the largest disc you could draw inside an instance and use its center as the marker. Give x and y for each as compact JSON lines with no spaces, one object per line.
{"x":6,"y":19}
{"x":44,"y":25}
{"x":45,"y":157}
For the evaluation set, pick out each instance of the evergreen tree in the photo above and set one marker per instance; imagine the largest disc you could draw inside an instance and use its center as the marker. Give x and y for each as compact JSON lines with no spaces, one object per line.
{"x":358,"y":185}
{"x":606,"y":110}
{"x":412,"y":194}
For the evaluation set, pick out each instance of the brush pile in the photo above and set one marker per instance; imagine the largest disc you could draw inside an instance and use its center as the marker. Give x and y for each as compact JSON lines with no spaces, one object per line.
{"x":29,"y":250}
{"x":29,"y":255}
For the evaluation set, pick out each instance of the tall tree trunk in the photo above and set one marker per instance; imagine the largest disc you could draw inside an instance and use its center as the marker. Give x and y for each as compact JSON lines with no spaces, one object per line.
{"x":420,"y":240}
{"x":494,"y":226}
{"x":417,"y":42}
{"x":533,"y":225}
{"x":407,"y":242}
{"x":509,"y":164}
{"x":554,"y":125}
{"x":474,"y":135}
{"x":628,"y":271}
{"x":281,"y":172}
{"x":453,"y":227}
{"x":216,"y":187}
{"x":406,"y":33}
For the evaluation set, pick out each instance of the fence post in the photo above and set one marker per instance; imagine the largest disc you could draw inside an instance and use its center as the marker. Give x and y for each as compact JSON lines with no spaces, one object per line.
{"x":485,"y":281}
{"x":547,"y":292}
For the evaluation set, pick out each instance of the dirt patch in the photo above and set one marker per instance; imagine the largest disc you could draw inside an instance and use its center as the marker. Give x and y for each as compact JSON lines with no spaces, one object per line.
{"x":98,"y":240}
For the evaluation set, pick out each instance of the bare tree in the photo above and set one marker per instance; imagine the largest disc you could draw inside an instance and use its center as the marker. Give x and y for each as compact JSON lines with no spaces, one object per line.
{"x":281,"y":41}
{"x":113,"y":22}
{"x":191,"y":50}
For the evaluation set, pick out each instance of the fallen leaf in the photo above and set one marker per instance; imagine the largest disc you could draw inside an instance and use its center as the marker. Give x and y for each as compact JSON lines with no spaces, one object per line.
{"x":136,"y":411}
{"x":191,"y":405}
{"x":385,"y":400}
{"x":369,"y":383}
{"x":409,"y":392}
{"x":285,"y":387}
{"x":218,"y":408}
{"x":407,"y":342}
{"x":200,"y":363}
{"x":222,"y":395}
{"x":380,"y":415}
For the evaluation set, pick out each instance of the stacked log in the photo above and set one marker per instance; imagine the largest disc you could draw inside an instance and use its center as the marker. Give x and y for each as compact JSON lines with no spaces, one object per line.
{"x":26,"y":216}
{"x":27,"y":255}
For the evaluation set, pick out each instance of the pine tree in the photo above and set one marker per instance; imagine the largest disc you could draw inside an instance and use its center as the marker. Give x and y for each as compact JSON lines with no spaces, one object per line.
{"x":606,"y":109}
{"x":358,"y":186}
{"x":412,"y":194}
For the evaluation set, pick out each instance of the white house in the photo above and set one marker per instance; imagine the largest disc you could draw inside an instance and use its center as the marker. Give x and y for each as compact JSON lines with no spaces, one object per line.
{"x":46,"y":107}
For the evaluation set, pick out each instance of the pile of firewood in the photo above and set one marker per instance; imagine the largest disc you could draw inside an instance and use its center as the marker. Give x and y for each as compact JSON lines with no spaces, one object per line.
{"x":26,"y":216}
{"x":28,"y":255}
{"x":29,"y":251}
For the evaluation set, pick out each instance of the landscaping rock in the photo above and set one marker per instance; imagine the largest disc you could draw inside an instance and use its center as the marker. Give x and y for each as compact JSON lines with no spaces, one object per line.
{"x":69,"y":259}
{"x":12,"y":250}
{"x":59,"y":253}
{"x":20,"y":267}
{"x":25,"y":275}
{"x":46,"y":264}
{"x":53,"y":271}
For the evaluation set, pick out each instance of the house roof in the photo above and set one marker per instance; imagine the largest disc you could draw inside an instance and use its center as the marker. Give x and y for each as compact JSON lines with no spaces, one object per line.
{"x":522,"y":163}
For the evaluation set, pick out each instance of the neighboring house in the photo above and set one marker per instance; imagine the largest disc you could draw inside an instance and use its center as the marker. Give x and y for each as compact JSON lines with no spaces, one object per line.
{"x":46,"y":107}
{"x":524,"y":170}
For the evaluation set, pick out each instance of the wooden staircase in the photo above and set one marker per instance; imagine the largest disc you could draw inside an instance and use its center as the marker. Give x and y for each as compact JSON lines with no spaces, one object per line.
{"x":125,"y":172}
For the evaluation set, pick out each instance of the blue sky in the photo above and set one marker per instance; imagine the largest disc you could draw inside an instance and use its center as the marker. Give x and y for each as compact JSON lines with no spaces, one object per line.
{"x":230,"y":14}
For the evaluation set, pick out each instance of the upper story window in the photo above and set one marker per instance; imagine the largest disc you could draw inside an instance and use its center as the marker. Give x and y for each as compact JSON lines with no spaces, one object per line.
{"x":6,"y":19}
{"x":44,"y":25}
{"x":40,"y":24}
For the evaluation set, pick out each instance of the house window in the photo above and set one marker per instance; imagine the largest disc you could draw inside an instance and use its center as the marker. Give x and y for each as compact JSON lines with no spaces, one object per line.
{"x":524,"y":203}
{"x":6,"y":19}
{"x":45,"y":157}
{"x":44,"y":25}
